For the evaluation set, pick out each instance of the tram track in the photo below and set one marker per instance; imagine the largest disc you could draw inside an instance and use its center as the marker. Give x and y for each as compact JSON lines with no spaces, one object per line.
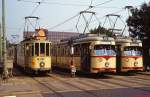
{"x":54,"y":91}
{"x":141,"y":73}
{"x":121,"y":84}
{"x":91,"y":80}
{"x":31,"y":79}
{"x":110,"y":83}
{"x":131,"y":80}
{"x":142,"y":78}
{"x":104,"y":84}
{"x":138,"y":81}
{"x":83,"y":90}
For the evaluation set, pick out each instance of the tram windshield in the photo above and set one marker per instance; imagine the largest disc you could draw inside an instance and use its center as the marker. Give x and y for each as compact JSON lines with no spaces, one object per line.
{"x":42,"y":49}
{"x":133,"y":51}
{"x":104,"y":50}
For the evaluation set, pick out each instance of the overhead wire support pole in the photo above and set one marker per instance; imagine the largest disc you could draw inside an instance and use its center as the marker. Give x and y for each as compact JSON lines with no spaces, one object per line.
{"x":5,"y":72}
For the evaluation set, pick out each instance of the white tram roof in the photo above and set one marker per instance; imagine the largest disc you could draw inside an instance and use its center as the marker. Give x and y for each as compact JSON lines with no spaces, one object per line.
{"x":124,"y":39}
{"x":89,"y":37}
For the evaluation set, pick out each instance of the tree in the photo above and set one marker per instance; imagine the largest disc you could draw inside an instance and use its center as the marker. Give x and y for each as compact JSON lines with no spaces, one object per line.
{"x":139,"y":21}
{"x":101,"y":30}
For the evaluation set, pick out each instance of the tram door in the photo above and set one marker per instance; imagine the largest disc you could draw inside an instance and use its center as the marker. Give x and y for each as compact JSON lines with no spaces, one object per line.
{"x":28,"y":49}
{"x":118,"y":59}
{"x":85,"y":57}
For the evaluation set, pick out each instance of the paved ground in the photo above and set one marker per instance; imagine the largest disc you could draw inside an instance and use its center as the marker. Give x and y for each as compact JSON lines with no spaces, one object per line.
{"x":61,"y":85}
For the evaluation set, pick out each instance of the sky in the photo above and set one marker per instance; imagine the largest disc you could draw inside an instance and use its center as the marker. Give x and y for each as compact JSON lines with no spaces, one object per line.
{"x":54,"y":12}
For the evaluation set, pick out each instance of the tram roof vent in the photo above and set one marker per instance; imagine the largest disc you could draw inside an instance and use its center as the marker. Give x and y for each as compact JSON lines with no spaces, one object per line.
{"x":136,"y":40}
{"x":92,"y":35}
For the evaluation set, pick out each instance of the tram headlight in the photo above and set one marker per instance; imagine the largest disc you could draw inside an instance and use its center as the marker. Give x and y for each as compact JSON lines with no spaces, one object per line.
{"x":42,"y":64}
{"x":106,"y":64}
{"x":33,"y":62}
{"x":135,"y":63}
{"x":99,"y":59}
{"x":127,"y":59}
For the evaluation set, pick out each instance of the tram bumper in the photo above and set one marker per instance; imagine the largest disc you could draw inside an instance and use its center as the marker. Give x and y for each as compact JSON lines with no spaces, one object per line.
{"x":103,"y":70}
{"x":125,"y":69}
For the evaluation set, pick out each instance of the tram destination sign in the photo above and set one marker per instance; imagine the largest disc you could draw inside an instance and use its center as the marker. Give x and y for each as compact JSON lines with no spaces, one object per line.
{"x":134,"y":44}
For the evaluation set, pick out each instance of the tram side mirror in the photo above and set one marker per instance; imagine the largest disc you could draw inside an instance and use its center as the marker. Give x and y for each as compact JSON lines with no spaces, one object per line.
{"x":91,"y":47}
{"x":72,"y":50}
{"x":27,"y":47}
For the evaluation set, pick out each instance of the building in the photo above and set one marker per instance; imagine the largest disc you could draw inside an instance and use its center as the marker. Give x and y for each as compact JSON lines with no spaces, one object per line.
{"x":53,"y":36}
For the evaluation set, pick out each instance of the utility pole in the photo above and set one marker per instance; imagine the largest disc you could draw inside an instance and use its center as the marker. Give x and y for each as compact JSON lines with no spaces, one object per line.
{"x":0,"y":44}
{"x":5,"y":72}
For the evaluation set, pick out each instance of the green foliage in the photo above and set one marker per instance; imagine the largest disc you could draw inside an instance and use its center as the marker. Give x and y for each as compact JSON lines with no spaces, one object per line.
{"x":139,"y":21}
{"x":101,"y":30}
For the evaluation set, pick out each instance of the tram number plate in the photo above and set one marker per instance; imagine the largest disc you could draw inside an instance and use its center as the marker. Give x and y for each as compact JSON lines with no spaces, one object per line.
{"x":134,"y":44}
{"x":40,"y":58}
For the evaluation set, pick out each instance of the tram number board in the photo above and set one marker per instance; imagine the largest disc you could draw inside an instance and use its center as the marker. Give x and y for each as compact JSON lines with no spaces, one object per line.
{"x":105,"y":38}
{"x":134,"y":44}
{"x":40,"y":59}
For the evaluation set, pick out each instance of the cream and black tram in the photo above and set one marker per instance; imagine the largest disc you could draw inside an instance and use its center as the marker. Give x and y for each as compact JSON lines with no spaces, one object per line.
{"x":89,"y":53}
{"x":129,"y":54}
{"x":33,"y":55}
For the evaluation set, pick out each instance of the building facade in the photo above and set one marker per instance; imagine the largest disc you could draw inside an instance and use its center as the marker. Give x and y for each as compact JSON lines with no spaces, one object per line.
{"x":53,"y":36}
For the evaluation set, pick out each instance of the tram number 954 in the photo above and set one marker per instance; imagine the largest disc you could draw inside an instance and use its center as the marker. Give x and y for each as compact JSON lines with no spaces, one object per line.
{"x":40,"y":59}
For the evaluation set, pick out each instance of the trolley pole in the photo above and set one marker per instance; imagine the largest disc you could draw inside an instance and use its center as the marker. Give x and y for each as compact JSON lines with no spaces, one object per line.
{"x":5,"y":72}
{"x":0,"y":44}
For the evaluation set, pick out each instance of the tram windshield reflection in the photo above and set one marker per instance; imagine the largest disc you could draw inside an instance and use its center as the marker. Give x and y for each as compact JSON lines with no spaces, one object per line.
{"x":104,"y":50}
{"x":133,"y":51}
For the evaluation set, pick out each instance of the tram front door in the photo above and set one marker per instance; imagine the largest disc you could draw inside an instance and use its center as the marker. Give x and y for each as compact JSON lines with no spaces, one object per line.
{"x":85,"y":57}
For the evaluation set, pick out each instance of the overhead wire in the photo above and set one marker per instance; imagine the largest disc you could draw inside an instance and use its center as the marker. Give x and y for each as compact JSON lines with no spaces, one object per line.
{"x":34,"y":10}
{"x":71,"y":4}
{"x":57,"y":3}
{"x":64,"y":21}
{"x":27,"y":1}
{"x":66,"y":4}
{"x":90,"y":7}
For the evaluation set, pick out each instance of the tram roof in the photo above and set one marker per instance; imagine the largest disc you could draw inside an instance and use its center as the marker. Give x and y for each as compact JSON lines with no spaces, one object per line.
{"x":34,"y":40}
{"x":124,"y":39}
{"x":88,"y":37}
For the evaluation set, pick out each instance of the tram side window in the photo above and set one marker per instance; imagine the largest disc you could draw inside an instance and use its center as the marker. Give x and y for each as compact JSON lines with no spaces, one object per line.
{"x":27,"y":50}
{"x":42,"y":49}
{"x":47,"y":49}
{"x":37,"y":49}
{"x":32,"y":50}
{"x":77,"y":50}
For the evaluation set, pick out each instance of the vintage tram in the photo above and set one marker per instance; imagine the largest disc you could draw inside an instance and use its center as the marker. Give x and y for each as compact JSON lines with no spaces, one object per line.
{"x":33,"y":54}
{"x":129,"y":54}
{"x":90,"y":53}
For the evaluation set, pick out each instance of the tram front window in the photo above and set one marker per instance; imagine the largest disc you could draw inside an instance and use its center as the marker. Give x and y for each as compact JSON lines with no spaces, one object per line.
{"x":42,"y":49}
{"x":107,"y":50}
{"x":36,"y":49}
{"x":133,"y":51}
{"x":47,"y":49}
